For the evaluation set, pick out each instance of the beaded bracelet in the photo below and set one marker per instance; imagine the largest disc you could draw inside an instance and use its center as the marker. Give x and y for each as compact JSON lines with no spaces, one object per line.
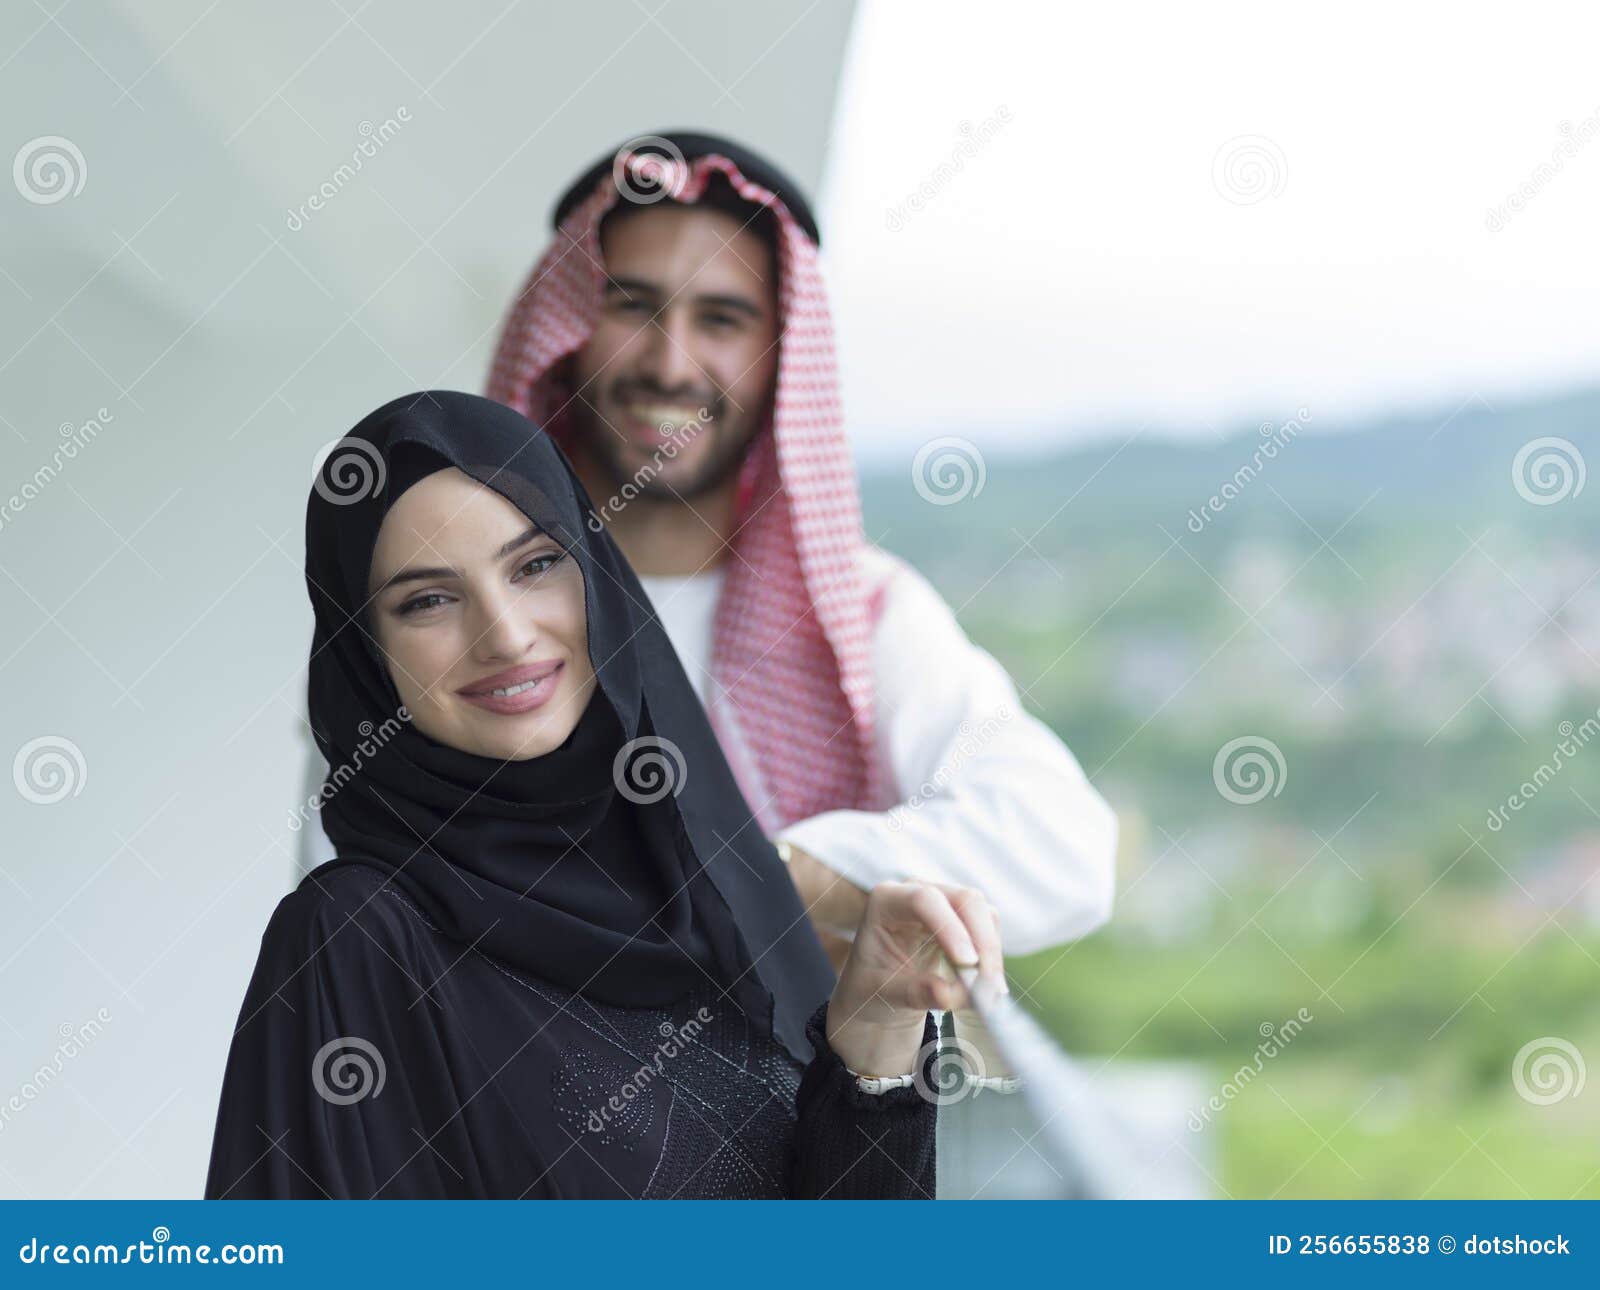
{"x":882,"y":1083}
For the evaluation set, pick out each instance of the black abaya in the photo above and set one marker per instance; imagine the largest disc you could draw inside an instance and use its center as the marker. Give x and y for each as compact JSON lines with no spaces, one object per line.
{"x":377,"y":1059}
{"x":455,"y":1006}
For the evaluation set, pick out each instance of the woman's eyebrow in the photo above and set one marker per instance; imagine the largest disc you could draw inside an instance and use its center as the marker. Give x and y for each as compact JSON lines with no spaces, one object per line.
{"x":445,"y":571}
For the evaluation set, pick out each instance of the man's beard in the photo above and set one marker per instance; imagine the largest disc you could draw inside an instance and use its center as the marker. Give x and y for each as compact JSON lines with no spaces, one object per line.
{"x":614,"y":455}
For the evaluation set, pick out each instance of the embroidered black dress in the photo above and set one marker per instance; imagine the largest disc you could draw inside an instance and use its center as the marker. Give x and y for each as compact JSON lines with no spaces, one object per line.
{"x":474,"y":1080}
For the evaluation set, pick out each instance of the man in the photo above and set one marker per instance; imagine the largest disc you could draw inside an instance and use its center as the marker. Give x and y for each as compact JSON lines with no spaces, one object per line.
{"x":675,"y":340}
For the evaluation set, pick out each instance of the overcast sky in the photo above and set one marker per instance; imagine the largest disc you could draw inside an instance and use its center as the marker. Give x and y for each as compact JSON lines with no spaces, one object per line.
{"x":1189,"y":221}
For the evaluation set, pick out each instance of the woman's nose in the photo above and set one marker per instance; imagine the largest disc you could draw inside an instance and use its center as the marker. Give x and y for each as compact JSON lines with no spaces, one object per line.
{"x":503,"y":631}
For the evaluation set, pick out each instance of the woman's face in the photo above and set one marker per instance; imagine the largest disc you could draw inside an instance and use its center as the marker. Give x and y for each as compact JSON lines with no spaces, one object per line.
{"x":481,"y":618}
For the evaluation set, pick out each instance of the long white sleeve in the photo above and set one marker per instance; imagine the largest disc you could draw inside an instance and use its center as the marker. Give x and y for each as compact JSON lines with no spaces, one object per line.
{"x":990,"y":797}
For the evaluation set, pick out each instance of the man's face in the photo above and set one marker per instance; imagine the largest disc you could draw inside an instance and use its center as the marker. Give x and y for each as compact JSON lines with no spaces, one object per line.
{"x":677,"y":376}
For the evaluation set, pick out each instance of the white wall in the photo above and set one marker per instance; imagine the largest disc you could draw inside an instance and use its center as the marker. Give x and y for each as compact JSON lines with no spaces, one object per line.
{"x":154,"y":609}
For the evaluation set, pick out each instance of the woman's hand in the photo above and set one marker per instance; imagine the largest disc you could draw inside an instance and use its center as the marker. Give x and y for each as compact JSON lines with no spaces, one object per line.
{"x":892,"y":977}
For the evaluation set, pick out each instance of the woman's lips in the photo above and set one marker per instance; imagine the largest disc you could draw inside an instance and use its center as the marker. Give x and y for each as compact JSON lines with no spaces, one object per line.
{"x":525,"y":695}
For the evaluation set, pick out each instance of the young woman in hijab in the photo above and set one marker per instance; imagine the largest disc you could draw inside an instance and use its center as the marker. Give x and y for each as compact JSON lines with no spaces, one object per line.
{"x":555,"y":956}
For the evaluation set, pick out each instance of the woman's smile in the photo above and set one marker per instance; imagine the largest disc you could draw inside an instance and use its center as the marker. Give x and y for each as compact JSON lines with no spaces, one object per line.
{"x":517,"y":689}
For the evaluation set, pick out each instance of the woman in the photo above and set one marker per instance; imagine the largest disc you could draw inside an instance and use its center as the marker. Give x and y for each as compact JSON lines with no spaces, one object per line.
{"x":554,"y":956}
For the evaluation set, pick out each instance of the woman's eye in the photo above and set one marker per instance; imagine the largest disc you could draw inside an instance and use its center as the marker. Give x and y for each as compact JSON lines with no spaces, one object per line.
{"x":542,"y":563}
{"x":418,"y":604}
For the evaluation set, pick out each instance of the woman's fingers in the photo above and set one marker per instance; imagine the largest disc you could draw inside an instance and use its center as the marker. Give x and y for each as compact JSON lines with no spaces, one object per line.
{"x":916,"y":991}
{"x":958,"y":920}
{"x":933,"y":908}
{"x":982,"y":926}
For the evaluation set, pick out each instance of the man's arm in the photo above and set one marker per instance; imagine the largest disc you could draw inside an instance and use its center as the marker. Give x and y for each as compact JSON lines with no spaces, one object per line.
{"x":989,"y":796}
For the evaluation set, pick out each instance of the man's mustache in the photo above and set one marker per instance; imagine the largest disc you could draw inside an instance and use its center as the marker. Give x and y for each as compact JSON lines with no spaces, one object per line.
{"x":635,"y":392}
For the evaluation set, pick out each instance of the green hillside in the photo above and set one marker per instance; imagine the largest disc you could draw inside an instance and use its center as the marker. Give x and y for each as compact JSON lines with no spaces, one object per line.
{"x":1408,"y":630}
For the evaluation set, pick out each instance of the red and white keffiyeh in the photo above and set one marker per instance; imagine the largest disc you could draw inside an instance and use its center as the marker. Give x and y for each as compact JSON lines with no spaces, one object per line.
{"x":791,"y":640}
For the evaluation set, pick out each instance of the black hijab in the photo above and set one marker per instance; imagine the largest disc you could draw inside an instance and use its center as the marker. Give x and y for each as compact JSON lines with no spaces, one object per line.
{"x":625,"y":864}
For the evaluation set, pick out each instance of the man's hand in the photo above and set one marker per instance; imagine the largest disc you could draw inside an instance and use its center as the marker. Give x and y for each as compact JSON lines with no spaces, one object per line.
{"x":835,"y":904}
